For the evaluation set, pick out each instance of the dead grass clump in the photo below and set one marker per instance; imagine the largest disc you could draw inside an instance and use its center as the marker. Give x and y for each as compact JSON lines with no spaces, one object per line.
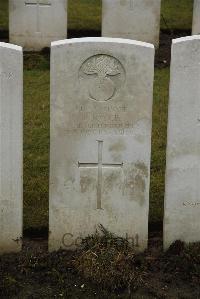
{"x":110,"y":261}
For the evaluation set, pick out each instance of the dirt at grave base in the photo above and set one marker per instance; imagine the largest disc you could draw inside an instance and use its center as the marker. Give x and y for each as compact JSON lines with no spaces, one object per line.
{"x":35,"y":273}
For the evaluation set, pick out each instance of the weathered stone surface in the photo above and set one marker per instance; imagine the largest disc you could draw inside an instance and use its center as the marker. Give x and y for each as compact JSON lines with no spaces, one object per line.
{"x":34,"y":24}
{"x":196,"y":18}
{"x":101,"y":103}
{"x":11,"y":139}
{"x":182,"y":200}
{"x":134,"y":19}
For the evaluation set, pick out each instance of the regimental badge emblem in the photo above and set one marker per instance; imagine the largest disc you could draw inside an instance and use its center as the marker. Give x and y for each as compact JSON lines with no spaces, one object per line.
{"x":104,"y":75}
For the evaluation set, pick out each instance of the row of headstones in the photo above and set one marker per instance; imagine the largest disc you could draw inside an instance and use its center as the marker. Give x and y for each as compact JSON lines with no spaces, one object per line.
{"x":100,"y":141}
{"x":34,"y":24}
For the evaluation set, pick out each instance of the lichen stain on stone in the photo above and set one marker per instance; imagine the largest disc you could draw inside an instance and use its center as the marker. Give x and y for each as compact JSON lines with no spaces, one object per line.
{"x":141,"y":166}
{"x":111,"y":181}
{"x":139,"y":188}
{"x":135,"y":187}
{"x":135,"y":183}
{"x":86,"y":182}
{"x":117,"y":149}
{"x":123,"y":2}
{"x":118,"y":146}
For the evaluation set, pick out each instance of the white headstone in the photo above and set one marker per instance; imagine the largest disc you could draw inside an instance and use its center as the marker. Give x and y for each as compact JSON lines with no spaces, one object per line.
{"x":101,"y":103}
{"x":196,"y":18}
{"x":182,"y":197}
{"x":11,"y":140}
{"x":134,"y":19}
{"x":34,"y":24}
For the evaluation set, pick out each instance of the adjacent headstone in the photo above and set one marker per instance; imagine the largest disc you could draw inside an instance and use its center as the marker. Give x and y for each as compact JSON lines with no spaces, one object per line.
{"x":34,"y":24}
{"x":134,"y":19}
{"x":101,"y":106}
{"x":11,"y":140}
{"x":182,"y":197}
{"x":196,"y":18}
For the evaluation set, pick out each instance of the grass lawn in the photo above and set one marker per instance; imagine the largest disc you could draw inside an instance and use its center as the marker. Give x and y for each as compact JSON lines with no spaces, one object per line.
{"x":178,"y":15}
{"x":159,"y":132}
{"x":86,"y":14}
{"x":4,"y":14}
{"x":36,"y":140}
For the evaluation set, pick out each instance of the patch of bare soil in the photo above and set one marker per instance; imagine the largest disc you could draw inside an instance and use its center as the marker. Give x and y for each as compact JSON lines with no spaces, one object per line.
{"x":104,"y":267}
{"x":163,"y":54}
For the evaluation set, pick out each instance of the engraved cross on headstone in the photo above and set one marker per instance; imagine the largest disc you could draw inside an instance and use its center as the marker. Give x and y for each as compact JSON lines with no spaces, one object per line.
{"x":38,"y":4}
{"x":100,"y":165}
